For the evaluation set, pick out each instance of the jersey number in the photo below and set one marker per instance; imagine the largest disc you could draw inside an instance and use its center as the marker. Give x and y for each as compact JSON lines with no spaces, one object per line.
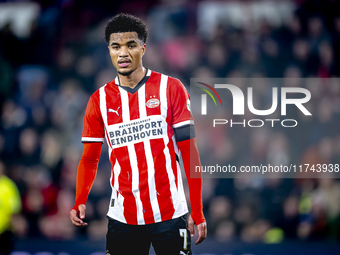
{"x":184,"y":233}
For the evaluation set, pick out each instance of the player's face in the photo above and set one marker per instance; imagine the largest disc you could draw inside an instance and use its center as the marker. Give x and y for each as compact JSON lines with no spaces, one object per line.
{"x":126,"y":51}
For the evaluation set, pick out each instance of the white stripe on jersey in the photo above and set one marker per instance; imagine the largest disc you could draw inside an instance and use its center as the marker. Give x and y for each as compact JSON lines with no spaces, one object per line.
{"x":164,"y":109}
{"x":92,"y":139}
{"x":183,"y":208}
{"x":102,"y":99}
{"x":135,"y":183}
{"x":133,"y":158}
{"x":118,"y":209}
{"x":187,"y":122}
{"x":149,"y":159}
{"x":103,"y":110}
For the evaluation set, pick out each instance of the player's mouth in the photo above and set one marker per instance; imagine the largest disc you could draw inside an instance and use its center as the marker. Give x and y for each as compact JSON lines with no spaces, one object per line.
{"x":124,"y":63}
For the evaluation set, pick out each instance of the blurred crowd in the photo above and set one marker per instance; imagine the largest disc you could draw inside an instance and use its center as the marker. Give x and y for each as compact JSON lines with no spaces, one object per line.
{"x":47,"y":77}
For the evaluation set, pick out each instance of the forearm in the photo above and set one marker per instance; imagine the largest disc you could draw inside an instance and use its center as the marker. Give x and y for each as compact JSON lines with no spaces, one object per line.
{"x":86,"y":173}
{"x":191,"y":159}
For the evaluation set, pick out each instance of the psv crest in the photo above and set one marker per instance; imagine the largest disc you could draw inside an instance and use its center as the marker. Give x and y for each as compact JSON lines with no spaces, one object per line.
{"x":152,"y":103}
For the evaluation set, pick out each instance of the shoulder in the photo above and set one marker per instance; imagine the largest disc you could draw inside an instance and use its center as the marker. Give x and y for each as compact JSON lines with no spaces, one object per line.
{"x":173,"y":81}
{"x":170,"y":78}
{"x":96,"y":95}
{"x":176,"y":86}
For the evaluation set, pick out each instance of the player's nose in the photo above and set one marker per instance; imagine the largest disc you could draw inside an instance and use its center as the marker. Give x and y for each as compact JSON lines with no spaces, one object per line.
{"x":123,"y":52}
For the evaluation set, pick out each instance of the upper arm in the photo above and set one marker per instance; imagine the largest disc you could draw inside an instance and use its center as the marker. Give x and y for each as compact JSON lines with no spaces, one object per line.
{"x":182,"y":119}
{"x":93,"y":128}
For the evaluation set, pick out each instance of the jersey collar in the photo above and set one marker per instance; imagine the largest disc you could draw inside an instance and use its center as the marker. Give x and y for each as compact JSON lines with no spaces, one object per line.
{"x":140,"y":84}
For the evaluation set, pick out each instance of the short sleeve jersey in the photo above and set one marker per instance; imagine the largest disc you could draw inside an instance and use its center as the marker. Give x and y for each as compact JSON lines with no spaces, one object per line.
{"x":142,"y":127}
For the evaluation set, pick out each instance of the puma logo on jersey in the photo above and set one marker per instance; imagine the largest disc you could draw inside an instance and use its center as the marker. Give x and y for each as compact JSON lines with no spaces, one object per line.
{"x":115,"y":111}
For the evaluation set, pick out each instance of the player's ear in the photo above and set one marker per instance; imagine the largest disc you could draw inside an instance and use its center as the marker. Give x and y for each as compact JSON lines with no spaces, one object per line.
{"x":143,"y":49}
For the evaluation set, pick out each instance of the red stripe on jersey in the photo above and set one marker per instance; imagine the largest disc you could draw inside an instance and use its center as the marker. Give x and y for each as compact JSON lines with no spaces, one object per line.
{"x":173,"y":159}
{"x":143,"y":184}
{"x":133,"y":106}
{"x":93,"y":120}
{"x":169,"y":119}
{"x":113,"y":104}
{"x":125,"y":185}
{"x":169,"y":112}
{"x":152,"y":93}
{"x":162,"y":180}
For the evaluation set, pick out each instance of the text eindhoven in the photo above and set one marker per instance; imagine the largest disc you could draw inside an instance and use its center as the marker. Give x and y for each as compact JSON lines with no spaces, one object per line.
{"x":135,"y":132}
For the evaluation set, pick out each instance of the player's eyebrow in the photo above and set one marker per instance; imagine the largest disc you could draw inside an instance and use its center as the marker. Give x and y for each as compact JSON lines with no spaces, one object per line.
{"x":132,"y":41}
{"x":129,"y":42}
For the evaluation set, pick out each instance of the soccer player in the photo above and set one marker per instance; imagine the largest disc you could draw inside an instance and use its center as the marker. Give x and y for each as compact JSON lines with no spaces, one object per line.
{"x":145,"y":118}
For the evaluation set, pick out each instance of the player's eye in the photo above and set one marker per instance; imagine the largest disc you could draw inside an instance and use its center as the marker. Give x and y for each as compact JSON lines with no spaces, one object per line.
{"x":115,"y":47}
{"x":131,"y":46}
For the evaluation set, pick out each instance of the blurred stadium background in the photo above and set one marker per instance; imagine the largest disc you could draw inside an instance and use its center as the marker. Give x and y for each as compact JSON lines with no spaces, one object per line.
{"x":53,"y":56}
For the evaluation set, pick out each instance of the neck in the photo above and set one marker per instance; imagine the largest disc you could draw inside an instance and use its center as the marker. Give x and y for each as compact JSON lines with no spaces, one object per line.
{"x":132,"y":79}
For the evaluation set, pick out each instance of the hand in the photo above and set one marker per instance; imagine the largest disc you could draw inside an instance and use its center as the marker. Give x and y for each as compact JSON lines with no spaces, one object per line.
{"x":78,"y":221}
{"x":202,"y":230}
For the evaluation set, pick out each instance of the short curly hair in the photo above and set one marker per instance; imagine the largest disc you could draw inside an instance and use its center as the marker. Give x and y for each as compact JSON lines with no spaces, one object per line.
{"x":124,"y":22}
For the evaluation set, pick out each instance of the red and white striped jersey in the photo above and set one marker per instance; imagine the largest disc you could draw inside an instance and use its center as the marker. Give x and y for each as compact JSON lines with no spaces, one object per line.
{"x":138,"y":125}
